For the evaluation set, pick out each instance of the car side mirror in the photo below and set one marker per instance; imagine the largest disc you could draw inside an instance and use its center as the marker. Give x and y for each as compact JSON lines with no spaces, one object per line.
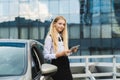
{"x":48,"y":69}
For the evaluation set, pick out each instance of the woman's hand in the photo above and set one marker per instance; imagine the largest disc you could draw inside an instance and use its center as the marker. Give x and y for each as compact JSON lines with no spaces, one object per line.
{"x":74,"y":49}
{"x":63,"y":53}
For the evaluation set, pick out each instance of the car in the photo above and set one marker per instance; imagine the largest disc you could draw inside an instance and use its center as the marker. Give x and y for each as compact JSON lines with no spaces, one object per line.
{"x":22,"y":59}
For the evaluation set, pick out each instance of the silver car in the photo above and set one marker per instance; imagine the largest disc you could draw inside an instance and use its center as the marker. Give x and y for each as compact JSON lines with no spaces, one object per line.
{"x":23,"y":60}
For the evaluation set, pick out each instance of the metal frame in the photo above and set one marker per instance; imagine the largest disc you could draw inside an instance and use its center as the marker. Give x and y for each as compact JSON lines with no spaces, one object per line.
{"x":88,"y":75}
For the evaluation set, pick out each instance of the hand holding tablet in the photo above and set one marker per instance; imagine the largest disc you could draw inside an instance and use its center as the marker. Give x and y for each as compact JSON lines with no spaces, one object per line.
{"x":74,"y":48}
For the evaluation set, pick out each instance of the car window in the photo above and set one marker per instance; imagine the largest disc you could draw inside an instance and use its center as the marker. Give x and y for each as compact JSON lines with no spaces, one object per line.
{"x":35,"y":63}
{"x":40,"y":52}
{"x":12,"y":59}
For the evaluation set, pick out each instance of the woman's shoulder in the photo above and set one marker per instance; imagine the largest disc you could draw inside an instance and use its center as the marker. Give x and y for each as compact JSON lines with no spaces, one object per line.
{"x":48,"y":37}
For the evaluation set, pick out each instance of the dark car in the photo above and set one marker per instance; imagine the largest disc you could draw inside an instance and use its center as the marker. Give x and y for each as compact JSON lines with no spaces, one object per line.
{"x":23,"y":60}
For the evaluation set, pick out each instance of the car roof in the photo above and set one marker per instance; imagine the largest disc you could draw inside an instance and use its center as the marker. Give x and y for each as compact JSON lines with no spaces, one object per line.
{"x":28,"y":41}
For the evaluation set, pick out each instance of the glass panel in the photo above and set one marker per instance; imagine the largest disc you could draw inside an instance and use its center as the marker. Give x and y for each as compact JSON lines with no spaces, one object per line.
{"x":74,"y":18}
{"x":34,"y":32}
{"x":24,"y":33}
{"x":24,"y":12}
{"x":54,"y":4}
{"x":95,"y":44}
{"x":42,"y":32}
{"x":95,"y":52}
{"x":86,"y":31}
{"x":23,"y":0}
{"x":106,"y":31}
{"x":14,"y":32}
{"x":95,"y":31}
{"x":117,"y":52}
{"x":4,"y":32}
{"x":96,"y":7}
{"x":74,"y":7}
{"x":106,"y":6}
{"x":64,"y":7}
{"x":74,"y":31}
{"x":105,"y":18}
{"x":115,"y":30}
{"x":96,"y":19}
{"x":5,"y":8}
{"x":114,"y":21}
{"x":85,"y":43}
{"x":106,"y":43}
{"x":1,"y":11}
{"x":106,"y":52}
{"x":8,"y":60}
{"x":85,"y":52}
{"x":116,"y":43}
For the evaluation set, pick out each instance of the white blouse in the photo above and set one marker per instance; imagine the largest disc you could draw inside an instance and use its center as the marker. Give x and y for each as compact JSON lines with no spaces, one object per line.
{"x":48,"y":48}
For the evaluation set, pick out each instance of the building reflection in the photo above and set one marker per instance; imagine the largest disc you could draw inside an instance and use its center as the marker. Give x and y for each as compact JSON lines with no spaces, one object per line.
{"x":95,"y":26}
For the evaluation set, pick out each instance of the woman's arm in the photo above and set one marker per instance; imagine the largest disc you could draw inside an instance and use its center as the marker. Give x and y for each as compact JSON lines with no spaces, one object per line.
{"x":48,"y":49}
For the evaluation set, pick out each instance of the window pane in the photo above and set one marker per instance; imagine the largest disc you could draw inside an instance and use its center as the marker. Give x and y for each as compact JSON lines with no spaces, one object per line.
{"x":64,"y":6}
{"x":34,"y":32}
{"x":95,"y":44}
{"x":106,"y":6}
{"x":74,"y":32}
{"x":86,"y":31}
{"x":4,"y":32}
{"x":74,"y":18}
{"x":106,"y":43}
{"x":115,"y":30}
{"x":13,"y":8}
{"x":96,"y":18}
{"x":1,"y":12}
{"x":106,"y":31}
{"x":42,"y":32}
{"x":14,"y":32}
{"x":54,"y":7}
{"x":117,"y":52}
{"x":95,"y":31}
{"x":105,"y":18}
{"x":106,"y":52}
{"x":74,"y":7}
{"x":116,"y":43}
{"x":24,"y":33}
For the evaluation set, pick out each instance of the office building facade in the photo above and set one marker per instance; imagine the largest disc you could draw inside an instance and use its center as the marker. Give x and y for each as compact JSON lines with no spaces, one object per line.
{"x":93,"y":24}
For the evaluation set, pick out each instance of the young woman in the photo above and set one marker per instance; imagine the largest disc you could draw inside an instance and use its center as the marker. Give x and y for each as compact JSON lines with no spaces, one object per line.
{"x":56,"y":48}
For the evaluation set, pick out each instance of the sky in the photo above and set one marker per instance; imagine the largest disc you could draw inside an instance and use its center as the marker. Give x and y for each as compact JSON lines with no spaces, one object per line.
{"x":37,"y":9}
{"x":34,"y":9}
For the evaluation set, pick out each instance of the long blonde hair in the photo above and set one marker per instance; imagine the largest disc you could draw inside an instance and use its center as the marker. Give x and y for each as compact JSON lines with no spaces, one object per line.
{"x":54,"y":34}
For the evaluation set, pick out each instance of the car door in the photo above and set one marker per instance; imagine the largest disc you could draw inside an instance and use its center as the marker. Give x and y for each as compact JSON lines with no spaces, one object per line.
{"x":36,"y":65}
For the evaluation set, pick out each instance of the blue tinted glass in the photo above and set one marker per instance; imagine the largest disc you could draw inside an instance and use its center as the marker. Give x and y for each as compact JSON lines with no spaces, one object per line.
{"x":12,"y":58}
{"x":12,"y":44}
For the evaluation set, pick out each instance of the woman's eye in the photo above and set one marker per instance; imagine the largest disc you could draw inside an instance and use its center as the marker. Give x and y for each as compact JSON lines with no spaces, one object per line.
{"x":60,"y":23}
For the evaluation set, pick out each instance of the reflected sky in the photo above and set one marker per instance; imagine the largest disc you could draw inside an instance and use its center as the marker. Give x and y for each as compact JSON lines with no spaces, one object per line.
{"x":39,"y":9}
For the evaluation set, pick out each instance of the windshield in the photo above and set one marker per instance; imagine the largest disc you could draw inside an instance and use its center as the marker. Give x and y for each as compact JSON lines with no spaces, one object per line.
{"x":12,"y":58}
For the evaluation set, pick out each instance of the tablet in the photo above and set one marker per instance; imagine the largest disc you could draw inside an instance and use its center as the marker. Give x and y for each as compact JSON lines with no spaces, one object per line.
{"x":72,"y":48}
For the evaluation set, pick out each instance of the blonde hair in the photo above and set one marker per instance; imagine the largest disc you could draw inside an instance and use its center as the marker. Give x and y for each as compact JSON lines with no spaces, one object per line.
{"x":54,"y":34}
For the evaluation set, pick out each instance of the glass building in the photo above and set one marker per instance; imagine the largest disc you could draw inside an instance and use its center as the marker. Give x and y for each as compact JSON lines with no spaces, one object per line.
{"x":93,"y":24}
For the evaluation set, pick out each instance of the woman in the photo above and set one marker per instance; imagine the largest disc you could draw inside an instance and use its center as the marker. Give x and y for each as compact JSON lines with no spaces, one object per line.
{"x":56,"y":48}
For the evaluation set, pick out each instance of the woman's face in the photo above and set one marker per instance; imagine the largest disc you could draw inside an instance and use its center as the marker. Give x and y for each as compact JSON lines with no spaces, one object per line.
{"x":60,"y":25}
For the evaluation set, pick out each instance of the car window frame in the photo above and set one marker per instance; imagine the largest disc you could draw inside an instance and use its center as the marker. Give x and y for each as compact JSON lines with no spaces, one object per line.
{"x":38,"y":73}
